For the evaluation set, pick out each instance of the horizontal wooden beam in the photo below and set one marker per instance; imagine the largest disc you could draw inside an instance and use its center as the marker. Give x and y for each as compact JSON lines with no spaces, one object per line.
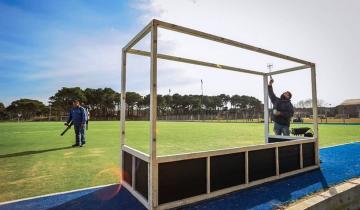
{"x":202,"y":154}
{"x":208,"y":36}
{"x":297,"y":68}
{"x":143,"y":156}
{"x":138,"y":37}
{"x":195,"y":62}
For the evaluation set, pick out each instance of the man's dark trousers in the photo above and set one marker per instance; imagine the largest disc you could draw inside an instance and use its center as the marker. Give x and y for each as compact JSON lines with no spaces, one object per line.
{"x":79,"y":134}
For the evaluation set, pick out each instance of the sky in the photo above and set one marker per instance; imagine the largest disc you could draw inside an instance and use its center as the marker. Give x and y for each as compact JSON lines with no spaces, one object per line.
{"x":49,"y":44}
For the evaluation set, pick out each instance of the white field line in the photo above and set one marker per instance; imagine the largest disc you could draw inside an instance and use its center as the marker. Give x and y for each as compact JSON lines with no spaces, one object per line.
{"x":59,"y":193}
{"x":337,"y":145}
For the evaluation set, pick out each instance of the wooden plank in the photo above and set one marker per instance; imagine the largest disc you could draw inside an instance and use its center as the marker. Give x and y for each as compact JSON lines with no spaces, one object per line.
{"x":149,"y":185}
{"x":297,"y":68}
{"x":211,"y":37}
{"x":277,"y":161}
{"x":133,"y":172}
{"x":266,"y":108}
{"x":122,"y":107}
{"x":123,"y":98}
{"x":201,"y":154}
{"x":143,"y":156}
{"x":195,"y":62}
{"x":246,"y":167}
{"x":290,"y":137}
{"x":301,"y":157}
{"x":208,"y":177}
{"x":153,"y":117}
{"x":138,"y":37}
{"x":315,"y":112}
{"x":231,"y":189}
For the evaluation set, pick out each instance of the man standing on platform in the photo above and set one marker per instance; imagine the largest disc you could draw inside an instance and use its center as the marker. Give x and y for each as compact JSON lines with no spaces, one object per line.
{"x":283,"y":111}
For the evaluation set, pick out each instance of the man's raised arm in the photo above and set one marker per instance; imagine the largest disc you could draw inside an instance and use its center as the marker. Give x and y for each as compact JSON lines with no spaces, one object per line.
{"x":272,"y":95}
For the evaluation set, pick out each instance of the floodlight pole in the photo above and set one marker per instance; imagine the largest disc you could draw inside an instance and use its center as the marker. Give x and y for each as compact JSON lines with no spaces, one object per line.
{"x":266,"y":108}
{"x":153,"y":178}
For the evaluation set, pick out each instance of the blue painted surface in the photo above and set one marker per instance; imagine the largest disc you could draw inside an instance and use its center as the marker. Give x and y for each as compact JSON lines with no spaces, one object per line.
{"x":339,"y":163}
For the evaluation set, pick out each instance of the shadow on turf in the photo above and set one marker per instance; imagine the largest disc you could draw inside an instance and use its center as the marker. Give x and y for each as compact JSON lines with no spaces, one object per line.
{"x":274,"y":194}
{"x":32,"y":152}
{"x":119,"y":198}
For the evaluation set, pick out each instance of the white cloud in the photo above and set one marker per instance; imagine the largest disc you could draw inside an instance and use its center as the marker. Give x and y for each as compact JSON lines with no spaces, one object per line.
{"x":316,"y":31}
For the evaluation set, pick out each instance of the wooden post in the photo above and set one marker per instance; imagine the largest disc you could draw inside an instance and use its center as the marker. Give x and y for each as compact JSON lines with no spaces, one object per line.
{"x":122,"y":109}
{"x":208,"y":174}
{"x":123,"y":98}
{"x":315,"y":112}
{"x":277,"y":161}
{"x":301,"y":156}
{"x":247,"y":167}
{"x":133,"y":172}
{"x":153,"y":199}
{"x":266,"y":109}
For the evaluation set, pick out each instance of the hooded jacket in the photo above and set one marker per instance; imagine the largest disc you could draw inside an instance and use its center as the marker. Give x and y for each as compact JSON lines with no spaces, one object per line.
{"x":283,"y":106}
{"x":77,"y":115}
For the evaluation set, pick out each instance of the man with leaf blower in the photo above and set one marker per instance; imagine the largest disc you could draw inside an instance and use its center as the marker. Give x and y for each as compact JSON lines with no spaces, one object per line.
{"x":78,"y":117}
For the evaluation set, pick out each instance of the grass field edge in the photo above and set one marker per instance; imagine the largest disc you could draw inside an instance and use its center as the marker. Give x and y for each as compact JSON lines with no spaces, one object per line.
{"x":107,"y":185}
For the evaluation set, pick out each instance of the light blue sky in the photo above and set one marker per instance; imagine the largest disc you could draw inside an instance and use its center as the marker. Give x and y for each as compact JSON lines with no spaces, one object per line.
{"x":36,"y":37}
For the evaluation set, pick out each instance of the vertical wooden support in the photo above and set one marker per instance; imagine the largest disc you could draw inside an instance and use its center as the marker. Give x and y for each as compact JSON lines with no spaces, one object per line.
{"x":133,"y":172}
{"x":208,"y":175}
{"x":122,"y":108}
{"x":247,"y":167}
{"x":266,"y":109}
{"x":315,"y":112}
{"x":301,"y":156}
{"x":153,"y":115}
{"x":277,"y":161}
{"x":123,"y":97}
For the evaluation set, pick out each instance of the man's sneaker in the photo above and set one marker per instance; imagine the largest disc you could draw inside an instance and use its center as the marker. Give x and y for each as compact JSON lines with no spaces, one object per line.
{"x":75,"y":145}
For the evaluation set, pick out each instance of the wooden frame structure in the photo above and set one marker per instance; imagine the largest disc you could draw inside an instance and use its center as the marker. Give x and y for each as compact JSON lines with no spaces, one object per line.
{"x":162,"y":182}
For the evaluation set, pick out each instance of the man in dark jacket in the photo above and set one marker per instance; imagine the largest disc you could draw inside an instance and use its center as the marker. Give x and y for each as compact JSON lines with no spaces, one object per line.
{"x":78,"y":116}
{"x":283,"y":111}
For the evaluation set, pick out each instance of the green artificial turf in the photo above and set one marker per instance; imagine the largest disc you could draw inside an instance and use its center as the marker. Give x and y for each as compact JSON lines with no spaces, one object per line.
{"x":35,"y":160}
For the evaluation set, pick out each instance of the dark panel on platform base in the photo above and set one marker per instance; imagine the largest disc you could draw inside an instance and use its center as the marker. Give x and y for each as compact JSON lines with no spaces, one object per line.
{"x":274,"y":139}
{"x":181,"y":179}
{"x":127,"y":167}
{"x":289,"y":158}
{"x":141,"y":177}
{"x":262,"y":164}
{"x":308,"y":150}
{"x":227,"y":171}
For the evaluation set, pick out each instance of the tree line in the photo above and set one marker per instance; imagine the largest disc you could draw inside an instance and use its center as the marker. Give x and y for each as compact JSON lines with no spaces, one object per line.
{"x":104,"y":104}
